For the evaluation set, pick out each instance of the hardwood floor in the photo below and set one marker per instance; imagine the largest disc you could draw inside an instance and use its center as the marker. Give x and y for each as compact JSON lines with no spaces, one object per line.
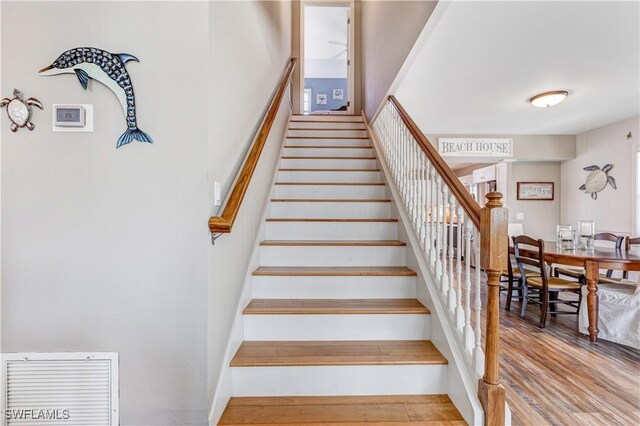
{"x":554,"y":376}
{"x":366,"y":410}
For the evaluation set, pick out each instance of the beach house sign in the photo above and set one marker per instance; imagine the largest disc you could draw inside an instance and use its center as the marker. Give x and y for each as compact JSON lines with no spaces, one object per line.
{"x":475,"y":147}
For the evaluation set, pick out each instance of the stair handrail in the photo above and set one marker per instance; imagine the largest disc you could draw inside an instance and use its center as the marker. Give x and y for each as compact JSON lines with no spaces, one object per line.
{"x":223,"y":223}
{"x":436,"y":201}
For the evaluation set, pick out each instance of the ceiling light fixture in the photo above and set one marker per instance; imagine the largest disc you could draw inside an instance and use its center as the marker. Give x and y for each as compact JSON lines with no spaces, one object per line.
{"x":547,"y":99}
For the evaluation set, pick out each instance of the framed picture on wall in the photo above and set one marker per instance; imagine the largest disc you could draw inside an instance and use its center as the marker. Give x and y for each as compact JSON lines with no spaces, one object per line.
{"x":321,"y":98}
{"x":537,"y":191}
{"x":338,"y":94}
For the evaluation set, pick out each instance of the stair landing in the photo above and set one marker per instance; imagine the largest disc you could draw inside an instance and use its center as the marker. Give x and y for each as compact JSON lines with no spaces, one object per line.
{"x":328,"y":410}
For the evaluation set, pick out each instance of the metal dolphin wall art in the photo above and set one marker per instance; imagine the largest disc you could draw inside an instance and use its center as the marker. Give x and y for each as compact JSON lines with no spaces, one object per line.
{"x":109,"y":69}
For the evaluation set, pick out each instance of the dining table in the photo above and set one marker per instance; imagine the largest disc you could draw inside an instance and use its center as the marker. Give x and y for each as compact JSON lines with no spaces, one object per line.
{"x":592,"y":260}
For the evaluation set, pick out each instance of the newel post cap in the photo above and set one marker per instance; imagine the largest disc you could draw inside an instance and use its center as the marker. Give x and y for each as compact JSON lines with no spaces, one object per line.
{"x":494,"y":200}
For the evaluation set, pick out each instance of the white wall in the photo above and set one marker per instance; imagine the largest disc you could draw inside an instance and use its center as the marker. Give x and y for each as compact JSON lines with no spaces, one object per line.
{"x":244,"y":72}
{"x":613,"y":211}
{"x":389,"y":30}
{"x":105,"y":249}
{"x":325,"y":68}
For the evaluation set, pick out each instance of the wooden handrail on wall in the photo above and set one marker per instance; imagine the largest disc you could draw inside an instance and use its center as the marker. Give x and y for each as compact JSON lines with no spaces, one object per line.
{"x":471,"y":206}
{"x":224,"y":223}
{"x":491,"y":220}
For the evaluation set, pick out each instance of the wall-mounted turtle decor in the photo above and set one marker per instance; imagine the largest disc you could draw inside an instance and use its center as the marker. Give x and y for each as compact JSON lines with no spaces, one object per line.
{"x":19,"y":110}
{"x":597,"y":180}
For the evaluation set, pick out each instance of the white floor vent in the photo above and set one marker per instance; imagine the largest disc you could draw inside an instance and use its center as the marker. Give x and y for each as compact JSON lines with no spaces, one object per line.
{"x":72,"y":388}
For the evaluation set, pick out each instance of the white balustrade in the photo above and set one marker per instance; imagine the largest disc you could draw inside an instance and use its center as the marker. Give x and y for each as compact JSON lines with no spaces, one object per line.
{"x":448,"y":238}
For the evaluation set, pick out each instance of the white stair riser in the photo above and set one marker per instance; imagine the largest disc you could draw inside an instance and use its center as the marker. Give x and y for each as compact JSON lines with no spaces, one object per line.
{"x":327,"y":163}
{"x":333,"y":287}
{"x":337,"y":327}
{"x":333,"y":255}
{"x":331,"y":210}
{"x":332,"y":231}
{"x":327,"y":117}
{"x":327,"y":141}
{"x":328,"y":133}
{"x":328,"y":152}
{"x":340,"y":380}
{"x":325,"y":125}
{"x":327,"y":192}
{"x":329,"y":176}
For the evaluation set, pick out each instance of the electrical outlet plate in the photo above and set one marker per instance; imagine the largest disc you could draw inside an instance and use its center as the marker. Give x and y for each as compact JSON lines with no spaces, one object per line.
{"x":519,"y":216}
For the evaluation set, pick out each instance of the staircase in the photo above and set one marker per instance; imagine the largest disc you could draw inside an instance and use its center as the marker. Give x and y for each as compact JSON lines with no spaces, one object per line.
{"x":334,"y":333}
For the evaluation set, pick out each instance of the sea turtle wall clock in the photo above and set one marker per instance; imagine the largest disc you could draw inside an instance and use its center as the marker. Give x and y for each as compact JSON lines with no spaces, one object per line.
{"x":90,"y":63}
{"x":19,"y":110}
{"x":597,"y":180}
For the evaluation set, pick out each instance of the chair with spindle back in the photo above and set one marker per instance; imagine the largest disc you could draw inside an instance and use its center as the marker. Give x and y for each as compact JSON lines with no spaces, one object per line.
{"x":511,"y":280}
{"x":545,"y":287}
{"x":579,"y":273}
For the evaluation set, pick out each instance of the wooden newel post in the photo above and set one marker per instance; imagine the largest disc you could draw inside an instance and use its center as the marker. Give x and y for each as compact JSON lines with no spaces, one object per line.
{"x":494,"y":254}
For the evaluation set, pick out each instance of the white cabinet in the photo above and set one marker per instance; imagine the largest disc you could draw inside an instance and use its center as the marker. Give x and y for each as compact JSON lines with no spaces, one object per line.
{"x":484,"y":174}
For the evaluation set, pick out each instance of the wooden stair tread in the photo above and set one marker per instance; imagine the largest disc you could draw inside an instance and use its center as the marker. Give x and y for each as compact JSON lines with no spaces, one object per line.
{"x":338,"y":410}
{"x":342,"y":352}
{"x":329,"y":170}
{"x":334,"y":243}
{"x":334,"y":306}
{"x":333,"y":183}
{"x":328,"y":158}
{"x":335,"y":271}
{"x":329,"y":129}
{"x":327,"y":147}
{"x":326,"y":121}
{"x":286,"y":219}
{"x":328,"y":200}
{"x":326,"y":137}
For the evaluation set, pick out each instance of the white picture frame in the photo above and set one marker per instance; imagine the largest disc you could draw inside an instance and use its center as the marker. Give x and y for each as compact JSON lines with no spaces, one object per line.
{"x":338,"y":94}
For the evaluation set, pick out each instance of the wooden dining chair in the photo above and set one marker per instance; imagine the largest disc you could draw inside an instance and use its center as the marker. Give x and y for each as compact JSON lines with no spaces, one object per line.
{"x":546,"y":288}
{"x":579,"y":273}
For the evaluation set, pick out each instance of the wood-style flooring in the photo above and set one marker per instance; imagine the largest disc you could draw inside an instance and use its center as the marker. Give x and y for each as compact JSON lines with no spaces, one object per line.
{"x":554,"y":376}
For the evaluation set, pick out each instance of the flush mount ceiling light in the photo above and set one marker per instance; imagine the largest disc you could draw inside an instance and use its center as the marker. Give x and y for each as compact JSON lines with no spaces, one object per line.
{"x":547,"y":99}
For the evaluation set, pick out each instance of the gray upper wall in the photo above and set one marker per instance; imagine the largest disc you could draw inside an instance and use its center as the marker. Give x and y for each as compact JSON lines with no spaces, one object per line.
{"x":389,"y":31}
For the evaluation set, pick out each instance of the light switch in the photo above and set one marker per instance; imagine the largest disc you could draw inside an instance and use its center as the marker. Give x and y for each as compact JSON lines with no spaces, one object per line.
{"x":217,"y":194}
{"x":519,"y":216}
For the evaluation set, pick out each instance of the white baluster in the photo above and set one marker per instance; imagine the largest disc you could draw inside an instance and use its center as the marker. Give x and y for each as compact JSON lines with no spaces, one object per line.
{"x":421,"y":185}
{"x":468,"y":331}
{"x":438,"y":233}
{"x":432,"y":236}
{"x":478,"y":353}
{"x":459,"y":244}
{"x":444,"y":284}
{"x":414,"y":183}
{"x":452,"y":283}
{"x":425,"y":204}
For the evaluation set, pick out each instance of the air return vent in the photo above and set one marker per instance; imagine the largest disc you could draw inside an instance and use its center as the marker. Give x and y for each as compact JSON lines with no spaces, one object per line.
{"x":59,"y":388}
